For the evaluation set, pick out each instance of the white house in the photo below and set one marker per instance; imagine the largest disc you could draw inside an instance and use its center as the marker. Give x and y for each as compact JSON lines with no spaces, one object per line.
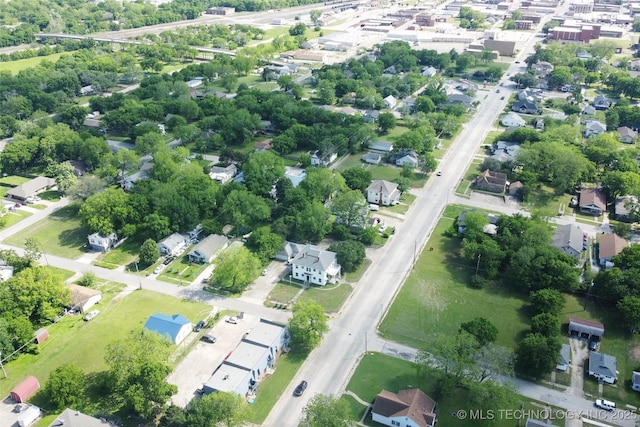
{"x":407,"y":408}
{"x":603,"y":367}
{"x":390,"y":101}
{"x":429,"y":71}
{"x":172,"y":245}
{"x":408,"y":158}
{"x":594,"y":127}
{"x":315,"y":266}
{"x":222,"y":175}
{"x":322,"y":159}
{"x":98,"y":242}
{"x":175,"y":327}
{"x":206,"y":250}
{"x":372,"y":158}
{"x":83,"y":298}
{"x":512,"y":120}
{"x":383,"y":193}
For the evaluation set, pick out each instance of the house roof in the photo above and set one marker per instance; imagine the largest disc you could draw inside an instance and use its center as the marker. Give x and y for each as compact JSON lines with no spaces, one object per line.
{"x":595,"y":125}
{"x":166,"y":325}
{"x":511,"y":117}
{"x":627,"y":132}
{"x":375,"y":157}
{"x":565,"y":355}
{"x":458,"y":98}
{"x":72,"y":418}
{"x":30,"y":188}
{"x":603,"y":364}
{"x":611,"y":244}
{"x":635,"y":377}
{"x":381,"y":146}
{"x":411,"y":403}
{"x":81,"y":294}
{"x":404,"y":154}
{"x":390,"y":99}
{"x":210,"y":245}
{"x":173,"y":241}
{"x":27,"y":388}
{"x":491,"y":177}
{"x":585,"y":322}
{"x":568,"y":236}
{"x":524,"y":104}
{"x":381,"y":185}
{"x":265,"y":333}
{"x":246,"y":355}
{"x":290,"y":250}
{"x":621,"y":205}
{"x":592,"y":196}
{"x":601,"y":100}
{"x":313,"y":257}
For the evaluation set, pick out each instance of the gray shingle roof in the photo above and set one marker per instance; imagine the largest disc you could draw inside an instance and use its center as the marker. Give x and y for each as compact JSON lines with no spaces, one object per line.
{"x":603,"y":364}
{"x":568,"y":236}
{"x":314,"y":257}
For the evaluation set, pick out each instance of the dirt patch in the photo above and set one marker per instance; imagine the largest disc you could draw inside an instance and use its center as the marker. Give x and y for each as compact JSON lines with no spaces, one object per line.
{"x":635,"y":353}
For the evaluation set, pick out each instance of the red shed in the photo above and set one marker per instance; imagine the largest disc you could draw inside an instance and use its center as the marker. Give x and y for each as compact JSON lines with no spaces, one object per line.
{"x":41,"y":335}
{"x":25,"y":389}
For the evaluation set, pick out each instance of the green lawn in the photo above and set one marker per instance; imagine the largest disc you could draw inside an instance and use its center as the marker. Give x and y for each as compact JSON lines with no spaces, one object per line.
{"x":284,"y":292}
{"x":181,"y":271}
{"x":124,"y":254}
{"x":354,"y":276}
{"x":437,"y":297}
{"x":330,"y":297}
{"x":21,"y":64}
{"x":61,"y":234}
{"x":546,"y":202}
{"x":270,"y":390}
{"x":15,"y":217}
{"x":377,"y":372}
{"x":406,"y":200}
{"x":13,"y":180}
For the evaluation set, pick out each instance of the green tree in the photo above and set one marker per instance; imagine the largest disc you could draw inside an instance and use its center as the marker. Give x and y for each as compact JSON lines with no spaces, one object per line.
{"x":315,"y":16}
{"x":481,"y":329}
{"x":537,"y":355}
{"x":321,"y":183}
{"x":546,"y":301}
{"x":137,"y":370}
{"x":33,"y":250}
{"x":491,"y":396}
{"x":386,"y":122}
{"x":310,"y":222}
{"x":217,"y":409}
{"x":149,"y":143}
{"x":125,"y":160}
{"x":264,"y":244}
{"x":350,"y":254}
{"x":261,"y":171}
{"x":149,"y":252}
{"x":64,"y":175}
{"x":326,"y":411}
{"x":629,"y":308}
{"x":307,"y":326}
{"x":107,"y":211}
{"x":73,"y":116}
{"x":454,"y":353}
{"x":66,"y":387}
{"x":351,"y":209}
{"x":85,"y":187}
{"x":245,"y":209}
{"x":235,"y":269}
{"x":357,"y":178}
{"x":298,"y":30}
{"x":545,"y":324}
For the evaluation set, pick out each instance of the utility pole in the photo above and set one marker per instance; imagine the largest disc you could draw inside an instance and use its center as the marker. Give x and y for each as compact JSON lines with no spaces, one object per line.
{"x":588,"y":295}
{"x":139,"y":280}
{"x":478,"y":265}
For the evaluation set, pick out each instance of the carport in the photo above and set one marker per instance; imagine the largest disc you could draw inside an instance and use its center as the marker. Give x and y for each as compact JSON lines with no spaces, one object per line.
{"x":25,"y":389}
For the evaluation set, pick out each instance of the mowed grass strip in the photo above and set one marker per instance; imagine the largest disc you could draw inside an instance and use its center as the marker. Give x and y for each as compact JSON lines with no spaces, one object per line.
{"x":76,"y":342}
{"x":436,"y":297}
{"x":330,"y":297}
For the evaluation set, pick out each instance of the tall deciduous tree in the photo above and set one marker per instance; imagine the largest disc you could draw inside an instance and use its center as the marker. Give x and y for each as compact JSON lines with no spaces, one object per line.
{"x":261,"y":172}
{"x":217,"y":409}
{"x":350,"y":254}
{"x":326,"y":411}
{"x":357,"y":178}
{"x":149,"y":252}
{"x":483,"y":330}
{"x":546,"y":301}
{"x":351,"y":209}
{"x":107,"y":211}
{"x":537,"y":355}
{"x":264,"y":243}
{"x":307,"y":326}
{"x":65,"y":387}
{"x":243,"y":208}
{"x":236,"y":268}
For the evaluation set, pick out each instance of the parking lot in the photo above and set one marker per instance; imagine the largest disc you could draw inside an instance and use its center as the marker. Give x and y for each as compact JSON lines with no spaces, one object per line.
{"x":204,"y":358}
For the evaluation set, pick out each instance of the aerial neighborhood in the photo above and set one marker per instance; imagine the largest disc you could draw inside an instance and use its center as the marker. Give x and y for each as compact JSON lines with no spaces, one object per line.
{"x":321,"y":214}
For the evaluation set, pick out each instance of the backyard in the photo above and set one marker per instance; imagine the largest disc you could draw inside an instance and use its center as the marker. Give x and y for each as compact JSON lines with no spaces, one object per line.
{"x":76,"y":342}
{"x":61,"y":233}
{"x":437,"y":296}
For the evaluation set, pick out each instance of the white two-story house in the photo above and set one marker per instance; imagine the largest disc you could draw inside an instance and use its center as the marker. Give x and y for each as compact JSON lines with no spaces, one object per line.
{"x":315,"y":266}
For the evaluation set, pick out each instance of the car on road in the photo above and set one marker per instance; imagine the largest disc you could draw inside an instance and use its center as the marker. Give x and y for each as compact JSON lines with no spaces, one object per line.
{"x":300,"y":389}
{"x":233,"y":320}
{"x":159,"y":269}
{"x":198,"y":326}
{"x":265,"y":271}
{"x":168,"y":260}
{"x":607,"y":405}
{"x":91,"y":315}
{"x":502,"y":98}
{"x":209,"y":338}
{"x":517,"y":62}
{"x":439,"y":173}
{"x":382,"y":228}
{"x":497,"y":90}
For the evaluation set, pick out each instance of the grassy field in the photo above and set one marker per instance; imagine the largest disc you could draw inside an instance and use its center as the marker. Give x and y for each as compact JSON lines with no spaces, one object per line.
{"x":546,"y":202}
{"x":437,"y":297}
{"x":354,"y":276}
{"x":15,"y":217}
{"x":21,"y":64}
{"x":181,"y":271}
{"x":83,"y":344}
{"x":61,"y":234}
{"x":330,"y":297}
{"x":124,"y":254}
{"x":270,"y":390}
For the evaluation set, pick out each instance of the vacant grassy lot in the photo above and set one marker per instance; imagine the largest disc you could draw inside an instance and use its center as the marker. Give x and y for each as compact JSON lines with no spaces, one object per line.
{"x":270,"y":390}
{"x":82,"y":344}
{"x":546,"y":202}
{"x":464,"y":188}
{"x":284,"y":292}
{"x":21,"y":64}
{"x":181,"y":271}
{"x":124,"y":254}
{"x":330,"y":297}
{"x":61,"y":234}
{"x":437,"y":297}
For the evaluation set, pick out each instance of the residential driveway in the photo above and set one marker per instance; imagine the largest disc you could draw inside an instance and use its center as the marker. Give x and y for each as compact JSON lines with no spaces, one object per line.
{"x":259,"y":290}
{"x":196,"y":368}
{"x":579,"y":354}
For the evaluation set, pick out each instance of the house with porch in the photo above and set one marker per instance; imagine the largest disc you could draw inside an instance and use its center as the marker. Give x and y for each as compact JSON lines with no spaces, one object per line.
{"x":319,"y":158}
{"x":101,"y":243}
{"x":592,"y":201}
{"x":601,"y":102}
{"x":495,"y":182}
{"x":569,"y":239}
{"x":409,"y":158}
{"x":609,"y":246}
{"x":603,"y":367}
{"x":315,"y":266}
{"x":173,"y":245}
{"x":627,"y":135}
{"x":207,"y":249}
{"x":383,"y":193}
{"x":524,"y":106}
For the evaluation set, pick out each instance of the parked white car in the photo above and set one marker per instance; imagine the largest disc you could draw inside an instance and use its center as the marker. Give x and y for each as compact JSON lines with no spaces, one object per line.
{"x":91,"y":315}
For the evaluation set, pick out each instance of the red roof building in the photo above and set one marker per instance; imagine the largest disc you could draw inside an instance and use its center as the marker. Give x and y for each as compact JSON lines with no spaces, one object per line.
{"x":25,"y":390}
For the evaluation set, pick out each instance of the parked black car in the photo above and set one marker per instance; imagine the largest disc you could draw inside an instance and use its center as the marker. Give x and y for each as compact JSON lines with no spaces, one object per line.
{"x":209,"y":338}
{"x":199,"y":326}
{"x":300,"y":389}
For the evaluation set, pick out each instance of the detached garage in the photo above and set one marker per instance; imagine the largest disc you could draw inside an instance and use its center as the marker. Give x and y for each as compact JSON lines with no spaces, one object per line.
{"x":585,"y":329}
{"x":25,"y":390}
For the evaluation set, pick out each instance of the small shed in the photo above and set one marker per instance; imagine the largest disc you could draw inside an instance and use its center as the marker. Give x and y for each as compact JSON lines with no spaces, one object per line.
{"x":41,"y":335}
{"x":29,"y":416}
{"x":25,"y":389}
{"x":587,"y":329}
